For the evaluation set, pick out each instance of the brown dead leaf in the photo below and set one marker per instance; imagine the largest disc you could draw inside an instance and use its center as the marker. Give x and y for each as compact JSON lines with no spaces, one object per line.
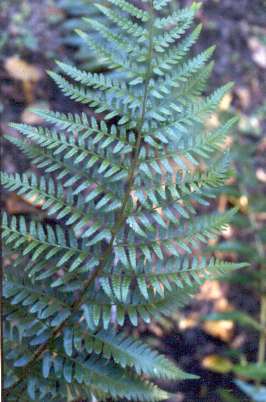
{"x":243,"y":201}
{"x":217,"y":364}
{"x":190,"y":321}
{"x":33,"y":201}
{"x":222,"y":203}
{"x":210,"y":290}
{"x":19,"y":205}
{"x":261,"y":175}
{"x":227,"y":232}
{"x":260,"y":216}
{"x":244,"y":96}
{"x":226,"y":102}
{"x":156,"y":329}
{"x":29,"y":117}
{"x":238,"y":341}
{"x":258,"y":51}
{"x":21,"y":70}
{"x":222,"y":329}
{"x":222,"y":304}
{"x":16,"y":205}
{"x":213,"y":121}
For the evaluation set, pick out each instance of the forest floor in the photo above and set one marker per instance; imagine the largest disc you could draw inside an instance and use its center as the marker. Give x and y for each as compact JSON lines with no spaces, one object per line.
{"x":237,"y":27}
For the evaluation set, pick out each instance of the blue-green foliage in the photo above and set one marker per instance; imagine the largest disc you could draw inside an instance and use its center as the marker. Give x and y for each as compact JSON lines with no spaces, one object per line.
{"x":75,"y":13}
{"x":122,"y":187}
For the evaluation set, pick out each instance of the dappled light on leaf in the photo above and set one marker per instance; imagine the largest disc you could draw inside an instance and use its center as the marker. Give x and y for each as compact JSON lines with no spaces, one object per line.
{"x":216,"y":363}
{"x":220,"y":329}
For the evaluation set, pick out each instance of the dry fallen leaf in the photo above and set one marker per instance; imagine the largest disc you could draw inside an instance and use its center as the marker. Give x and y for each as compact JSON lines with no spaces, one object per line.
{"x":222,"y":203}
{"x":190,"y":321}
{"x":213,"y":121}
{"x":258,"y":51}
{"x":261,"y":175}
{"x":156,"y":329}
{"x":222,"y":329}
{"x":21,"y":70}
{"x":15,"y":205}
{"x":211,"y":290}
{"x":29,"y":117}
{"x":227,"y":232}
{"x":19,"y":205}
{"x":244,"y":96}
{"x":226,"y":102}
{"x":29,"y":74}
{"x":222,"y":304}
{"x":217,"y":364}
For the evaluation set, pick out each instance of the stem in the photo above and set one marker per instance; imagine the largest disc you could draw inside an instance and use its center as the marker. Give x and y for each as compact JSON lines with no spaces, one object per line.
{"x":121,"y":218}
{"x":262,"y":339}
{"x":260,"y":250}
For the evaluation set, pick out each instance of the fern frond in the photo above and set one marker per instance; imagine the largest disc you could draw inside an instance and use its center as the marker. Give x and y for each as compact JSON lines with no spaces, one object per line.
{"x":78,"y":152}
{"x":131,"y":9}
{"x":131,"y":28}
{"x":44,"y":305}
{"x":129,"y":352}
{"x":179,"y":15}
{"x":171,"y":239}
{"x":178,"y":273}
{"x":119,"y":92}
{"x":159,"y":4}
{"x":50,"y":196}
{"x":37,"y":239}
{"x":181,"y":21}
{"x":99,"y":103}
{"x":174,"y":56}
{"x":181,"y":195}
{"x":78,"y":180}
{"x":194,"y":113}
{"x":99,"y":131}
{"x":203,"y":145}
{"x":122,"y":188}
{"x":97,"y":309}
{"x":121,"y":44}
{"x":109,"y":58}
{"x":108,"y":379}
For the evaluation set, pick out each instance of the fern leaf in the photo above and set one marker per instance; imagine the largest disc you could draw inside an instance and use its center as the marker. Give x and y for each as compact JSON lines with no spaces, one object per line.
{"x":131,"y":9}
{"x":122,"y":188}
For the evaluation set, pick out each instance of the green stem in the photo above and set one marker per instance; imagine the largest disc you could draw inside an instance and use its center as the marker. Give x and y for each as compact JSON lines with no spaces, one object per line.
{"x":262,"y":339}
{"x":260,"y":250}
{"x":121,"y":218}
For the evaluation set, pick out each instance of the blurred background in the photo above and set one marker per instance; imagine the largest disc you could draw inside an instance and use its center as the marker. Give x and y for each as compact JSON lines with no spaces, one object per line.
{"x":221,"y":335}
